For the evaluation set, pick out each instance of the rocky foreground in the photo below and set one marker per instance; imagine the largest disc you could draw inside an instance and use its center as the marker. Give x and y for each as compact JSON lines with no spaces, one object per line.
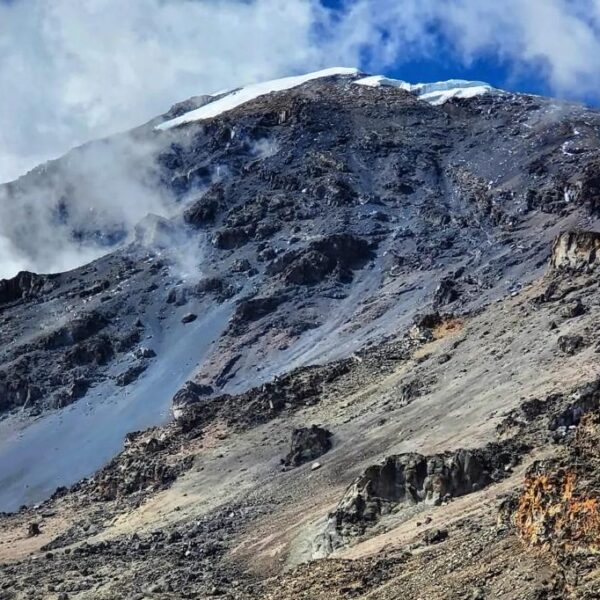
{"x":360,"y":362}
{"x":500,"y":501}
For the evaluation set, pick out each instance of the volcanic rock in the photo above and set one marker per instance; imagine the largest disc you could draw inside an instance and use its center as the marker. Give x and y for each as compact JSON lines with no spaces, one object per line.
{"x":307,"y":444}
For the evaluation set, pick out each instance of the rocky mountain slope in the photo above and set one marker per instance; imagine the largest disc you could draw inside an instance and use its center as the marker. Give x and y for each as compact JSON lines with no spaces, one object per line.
{"x":354,"y":358}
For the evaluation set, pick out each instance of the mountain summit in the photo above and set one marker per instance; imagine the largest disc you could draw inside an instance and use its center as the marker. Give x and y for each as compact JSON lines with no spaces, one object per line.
{"x":329,"y":336}
{"x":221,"y":102}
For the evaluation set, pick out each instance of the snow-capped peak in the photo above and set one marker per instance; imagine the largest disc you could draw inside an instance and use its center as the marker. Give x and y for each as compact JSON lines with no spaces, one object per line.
{"x":434,"y":93}
{"x":250,"y":92}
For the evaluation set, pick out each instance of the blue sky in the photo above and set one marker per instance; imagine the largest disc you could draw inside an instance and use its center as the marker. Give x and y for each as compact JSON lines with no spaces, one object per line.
{"x":491,"y":64}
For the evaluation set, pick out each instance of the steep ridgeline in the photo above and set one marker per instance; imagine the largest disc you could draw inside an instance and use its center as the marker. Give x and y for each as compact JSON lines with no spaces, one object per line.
{"x":300,"y":222}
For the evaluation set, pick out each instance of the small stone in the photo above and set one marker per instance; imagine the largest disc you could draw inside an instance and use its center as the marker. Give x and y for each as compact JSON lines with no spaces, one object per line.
{"x":189,"y":318}
{"x":315,"y":466}
{"x":435,"y":536}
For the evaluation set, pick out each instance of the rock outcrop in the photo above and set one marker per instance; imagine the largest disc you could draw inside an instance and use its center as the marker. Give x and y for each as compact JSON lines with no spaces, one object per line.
{"x":23,"y":286}
{"x":576,"y":250}
{"x":408,"y":480}
{"x":558,"y":509}
{"x":336,"y":255}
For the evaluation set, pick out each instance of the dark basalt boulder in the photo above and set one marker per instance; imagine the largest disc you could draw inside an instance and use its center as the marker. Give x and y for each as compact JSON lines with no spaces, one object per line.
{"x":128,"y":340}
{"x":335,"y":190}
{"x":587,"y":187}
{"x":191,"y":393}
{"x":96,"y":288}
{"x":233,"y":237}
{"x":203,"y":211}
{"x":180,"y":108}
{"x":76,"y":390}
{"x":413,"y":479}
{"x":219,"y":287}
{"x":131,"y":374}
{"x":241,"y":265}
{"x":571,"y":344}
{"x":435,"y":536}
{"x":253,"y":309}
{"x":445,"y":293}
{"x":307,"y":444}
{"x":573,"y":309}
{"x":16,"y":389}
{"x":145,"y":352}
{"x":77,"y":330}
{"x":586,"y":400}
{"x":139,"y":467}
{"x":97,"y":350}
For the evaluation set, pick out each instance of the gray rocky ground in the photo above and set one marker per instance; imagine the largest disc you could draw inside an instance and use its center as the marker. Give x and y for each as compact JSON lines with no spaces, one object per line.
{"x":348,"y":258}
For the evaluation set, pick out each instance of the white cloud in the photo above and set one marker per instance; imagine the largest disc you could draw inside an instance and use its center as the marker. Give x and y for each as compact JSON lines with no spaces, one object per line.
{"x":557,"y":36}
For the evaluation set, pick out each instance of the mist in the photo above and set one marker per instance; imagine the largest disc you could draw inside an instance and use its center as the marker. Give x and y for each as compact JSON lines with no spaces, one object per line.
{"x":69,"y":212}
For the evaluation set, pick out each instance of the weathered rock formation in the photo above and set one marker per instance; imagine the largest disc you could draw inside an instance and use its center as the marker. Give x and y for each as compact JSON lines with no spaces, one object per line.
{"x":408,"y":480}
{"x":24,"y":285}
{"x":576,"y":250}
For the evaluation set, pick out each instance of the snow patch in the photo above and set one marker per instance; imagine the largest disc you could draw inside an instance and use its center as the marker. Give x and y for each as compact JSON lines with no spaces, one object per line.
{"x":434,"y":93}
{"x":250,"y":92}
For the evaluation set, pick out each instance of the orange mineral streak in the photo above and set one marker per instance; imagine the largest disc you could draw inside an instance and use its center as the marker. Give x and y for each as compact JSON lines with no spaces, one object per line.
{"x":448,"y":327}
{"x":550,"y":513}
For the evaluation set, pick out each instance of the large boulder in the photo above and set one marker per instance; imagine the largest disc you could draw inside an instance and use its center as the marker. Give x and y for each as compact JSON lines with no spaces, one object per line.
{"x":410,"y":479}
{"x":337,"y":255}
{"x":249,"y":310}
{"x":203,"y":211}
{"x":75,"y":331}
{"x":307,"y":444}
{"x":190,"y":393}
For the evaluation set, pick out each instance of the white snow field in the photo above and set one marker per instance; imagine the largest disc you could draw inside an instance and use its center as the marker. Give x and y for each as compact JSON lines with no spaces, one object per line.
{"x":250,"y":92}
{"x":435,"y":93}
